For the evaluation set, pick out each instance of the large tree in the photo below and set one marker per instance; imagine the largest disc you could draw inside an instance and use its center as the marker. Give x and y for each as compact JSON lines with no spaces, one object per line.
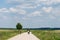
{"x":19,"y":27}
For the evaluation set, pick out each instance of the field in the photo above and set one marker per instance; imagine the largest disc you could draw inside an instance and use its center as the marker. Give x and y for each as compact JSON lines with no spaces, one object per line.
{"x":5,"y":34}
{"x":41,"y":34}
{"x":47,"y":34}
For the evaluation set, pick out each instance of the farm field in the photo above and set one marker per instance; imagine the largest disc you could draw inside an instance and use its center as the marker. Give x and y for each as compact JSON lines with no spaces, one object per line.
{"x":5,"y":34}
{"x":41,"y":34}
{"x":47,"y":34}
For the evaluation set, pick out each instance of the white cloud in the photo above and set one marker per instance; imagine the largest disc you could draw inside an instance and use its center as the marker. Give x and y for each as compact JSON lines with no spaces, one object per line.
{"x":47,"y":9}
{"x":50,"y":2}
{"x":2,"y":10}
{"x":25,"y":18}
{"x":24,"y":6}
{"x":55,"y":1}
{"x":27,"y":5}
{"x":42,"y":0}
{"x":12,"y":10}
{"x":36,"y":13}
{"x":14,"y":1}
{"x":16,"y":10}
{"x":46,"y":2}
{"x":33,"y":3}
{"x":21,"y":11}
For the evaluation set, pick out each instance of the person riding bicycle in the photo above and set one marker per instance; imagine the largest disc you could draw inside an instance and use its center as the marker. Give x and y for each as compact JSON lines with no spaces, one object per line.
{"x":28,"y":31}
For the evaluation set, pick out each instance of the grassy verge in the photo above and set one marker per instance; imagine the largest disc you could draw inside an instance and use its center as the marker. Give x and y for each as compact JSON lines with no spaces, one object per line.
{"x":47,"y":34}
{"x":5,"y":34}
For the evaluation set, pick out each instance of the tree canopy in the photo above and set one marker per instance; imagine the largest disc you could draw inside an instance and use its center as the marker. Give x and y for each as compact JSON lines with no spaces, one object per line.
{"x":19,"y":26}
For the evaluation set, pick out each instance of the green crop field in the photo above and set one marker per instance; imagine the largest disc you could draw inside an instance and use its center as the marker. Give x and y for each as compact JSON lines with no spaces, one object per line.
{"x":41,"y":34}
{"x":5,"y":34}
{"x":47,"y":34}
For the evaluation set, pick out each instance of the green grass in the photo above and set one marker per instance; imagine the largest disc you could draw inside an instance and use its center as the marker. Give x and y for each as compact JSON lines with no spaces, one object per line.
{"x":41,"y":34}
{"x":47,"y":34}
{"x":5,"y":34}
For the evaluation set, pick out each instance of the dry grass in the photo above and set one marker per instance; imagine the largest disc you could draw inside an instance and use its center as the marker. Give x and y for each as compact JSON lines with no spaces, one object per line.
{"x":5,"y":34}
{"x":47,"y":34}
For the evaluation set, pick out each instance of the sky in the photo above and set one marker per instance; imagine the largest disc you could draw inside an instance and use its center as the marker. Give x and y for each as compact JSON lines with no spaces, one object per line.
{"x":30,"y":13}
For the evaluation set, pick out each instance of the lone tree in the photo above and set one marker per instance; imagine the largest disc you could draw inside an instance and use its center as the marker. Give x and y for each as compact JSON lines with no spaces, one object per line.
{"x":19,"y":27}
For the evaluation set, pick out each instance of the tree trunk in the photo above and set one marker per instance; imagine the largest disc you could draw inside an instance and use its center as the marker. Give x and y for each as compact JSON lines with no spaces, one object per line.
{"x":20,"y":31}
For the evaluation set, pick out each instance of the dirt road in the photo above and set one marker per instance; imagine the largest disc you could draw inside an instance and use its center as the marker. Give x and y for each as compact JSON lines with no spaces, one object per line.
{"x":24,"y":36}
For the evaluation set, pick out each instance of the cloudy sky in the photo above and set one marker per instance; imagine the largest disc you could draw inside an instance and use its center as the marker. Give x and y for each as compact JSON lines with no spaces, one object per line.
{"x":30,"y":13}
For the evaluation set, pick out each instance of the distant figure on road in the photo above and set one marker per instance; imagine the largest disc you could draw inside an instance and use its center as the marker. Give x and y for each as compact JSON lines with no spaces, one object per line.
{"x":28,"y":31}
